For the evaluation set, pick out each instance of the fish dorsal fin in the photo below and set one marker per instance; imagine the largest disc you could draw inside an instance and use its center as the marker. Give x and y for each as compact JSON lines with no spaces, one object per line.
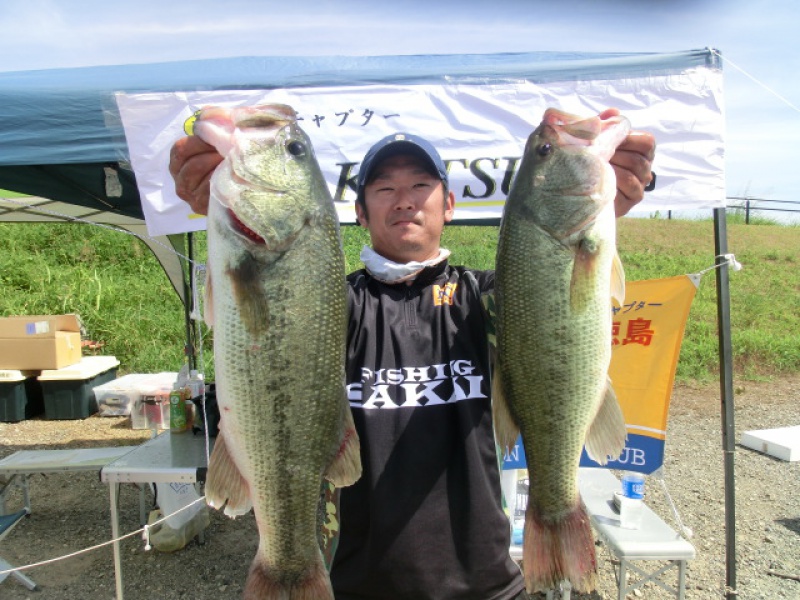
{"x":225,"y":485}
{"x":618,"y":280}
{"x":607,"y":434}
{"x":345,"y":469}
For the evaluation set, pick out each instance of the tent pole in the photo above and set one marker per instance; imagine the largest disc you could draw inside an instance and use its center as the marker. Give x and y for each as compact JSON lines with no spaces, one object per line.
{"x":726,"y":392}
{"x":188,"y":286}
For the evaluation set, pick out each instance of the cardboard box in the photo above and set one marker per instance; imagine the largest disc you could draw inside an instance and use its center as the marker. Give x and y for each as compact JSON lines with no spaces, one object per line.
{"x":39,"y":342}
{"x":20,"y":395}
{"x":68,"y":392}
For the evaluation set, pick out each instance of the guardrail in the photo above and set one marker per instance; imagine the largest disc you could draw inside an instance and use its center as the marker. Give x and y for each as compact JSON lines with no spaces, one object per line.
{"x":749,"y":205}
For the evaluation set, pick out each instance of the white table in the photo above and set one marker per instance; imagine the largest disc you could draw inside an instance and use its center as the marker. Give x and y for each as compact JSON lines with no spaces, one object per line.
{"x":166,"y":458}
{"x":654,"y":540}
{"x":20,"y":465}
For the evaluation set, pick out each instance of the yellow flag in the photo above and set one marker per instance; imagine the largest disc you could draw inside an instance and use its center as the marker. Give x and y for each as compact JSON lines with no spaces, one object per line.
{"x":647,"y":334}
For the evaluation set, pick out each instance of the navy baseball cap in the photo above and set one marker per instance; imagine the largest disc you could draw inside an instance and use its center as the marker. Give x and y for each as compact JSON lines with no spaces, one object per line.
{"x":399,"y":143}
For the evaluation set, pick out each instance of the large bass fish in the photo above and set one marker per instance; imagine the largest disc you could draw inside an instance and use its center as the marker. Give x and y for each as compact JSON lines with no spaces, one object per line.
{"x":557,"y":270}
{"x":276,"y":301}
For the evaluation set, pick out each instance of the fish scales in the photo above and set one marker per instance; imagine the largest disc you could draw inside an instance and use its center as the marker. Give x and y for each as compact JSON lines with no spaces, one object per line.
{"x":554,"y":284}
{"x":277,"y":304}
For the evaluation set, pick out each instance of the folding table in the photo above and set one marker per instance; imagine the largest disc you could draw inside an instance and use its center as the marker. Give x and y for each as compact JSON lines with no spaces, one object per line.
{"x":166,"y":458}
{"x":16,"y":468}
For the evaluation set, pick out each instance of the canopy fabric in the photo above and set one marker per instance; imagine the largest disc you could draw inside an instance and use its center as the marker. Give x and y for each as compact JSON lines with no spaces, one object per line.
{"x":67,"y":116}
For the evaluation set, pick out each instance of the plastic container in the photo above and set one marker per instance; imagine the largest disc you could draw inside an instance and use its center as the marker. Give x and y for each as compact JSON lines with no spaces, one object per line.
{"x":116,"y":398}
{"x":631,"y":504}
{"x":68,"y":392}
{"x":20,"y":395}
{"x":630,"y":512}
{"x":517,"y":532}
{"x":196,"y":385}
{"x":633,"y":485}
{"x":151,"y":409}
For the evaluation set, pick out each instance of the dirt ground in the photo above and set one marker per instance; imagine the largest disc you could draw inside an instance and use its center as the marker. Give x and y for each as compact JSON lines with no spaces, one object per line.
{"x":71,"y":512}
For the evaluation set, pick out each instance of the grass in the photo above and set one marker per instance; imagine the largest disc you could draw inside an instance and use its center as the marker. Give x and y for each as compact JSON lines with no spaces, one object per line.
{"x":124,"y":299}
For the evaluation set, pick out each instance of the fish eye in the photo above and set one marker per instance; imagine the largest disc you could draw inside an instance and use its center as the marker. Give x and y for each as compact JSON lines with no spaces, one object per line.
{"x":296,"y":148}
{"x":545,"y":149}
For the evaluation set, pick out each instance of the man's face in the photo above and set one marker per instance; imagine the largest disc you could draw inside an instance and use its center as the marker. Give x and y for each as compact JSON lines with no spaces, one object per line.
{"x":405,"y":210}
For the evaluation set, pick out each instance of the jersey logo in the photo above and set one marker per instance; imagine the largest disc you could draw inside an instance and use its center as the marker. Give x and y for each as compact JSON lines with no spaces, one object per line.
{"x":412,"y":387}
{"x":444,"y":295}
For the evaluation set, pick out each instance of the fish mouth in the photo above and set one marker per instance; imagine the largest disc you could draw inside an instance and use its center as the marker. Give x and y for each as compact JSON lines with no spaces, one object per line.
{"x":244,"y":230}
{"x":599,"y":136}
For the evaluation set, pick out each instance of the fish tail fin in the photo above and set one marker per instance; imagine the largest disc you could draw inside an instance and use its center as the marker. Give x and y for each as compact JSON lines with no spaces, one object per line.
{"x":607,"y":433}
{"x":345,"y":469}
{"x":506,"y":429}
{"x":225,"y":485}
{"x":560,"y":550}
{"x":263,"y":583}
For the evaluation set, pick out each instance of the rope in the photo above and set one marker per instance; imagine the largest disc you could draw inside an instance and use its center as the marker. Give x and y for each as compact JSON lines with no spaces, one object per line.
{"x":144,"y":532}
{"x":763,"y":85}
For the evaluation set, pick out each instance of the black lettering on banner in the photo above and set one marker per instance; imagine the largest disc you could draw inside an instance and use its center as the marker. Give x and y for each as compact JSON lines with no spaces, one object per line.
{"x":487,"y":180}
{"x":508,"y":177}
{"x":345,"y":181}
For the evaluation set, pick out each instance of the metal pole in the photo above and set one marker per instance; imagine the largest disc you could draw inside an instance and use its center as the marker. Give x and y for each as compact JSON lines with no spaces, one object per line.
{"x":726,"y":393}
{"x":188,"y":281}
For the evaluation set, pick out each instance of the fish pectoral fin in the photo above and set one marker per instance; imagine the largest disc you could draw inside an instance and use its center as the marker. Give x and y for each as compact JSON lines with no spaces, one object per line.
{"x":249,"y":295}
{"x":506,"y":429}
{"x":208,"y":302}
{"x":618,"y":280}
{"x":584,"y":273}
{"x":345,"y":468}
{"x":225,"y":485}
{"x":606,"y":437}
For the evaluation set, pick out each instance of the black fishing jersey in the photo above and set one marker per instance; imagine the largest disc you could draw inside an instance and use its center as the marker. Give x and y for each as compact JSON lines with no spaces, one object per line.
{"x":425,"y":520}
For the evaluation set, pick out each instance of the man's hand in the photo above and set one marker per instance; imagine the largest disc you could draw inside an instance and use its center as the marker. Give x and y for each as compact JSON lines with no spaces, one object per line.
{"x":632,"y":164}
{"x":191,"y":164}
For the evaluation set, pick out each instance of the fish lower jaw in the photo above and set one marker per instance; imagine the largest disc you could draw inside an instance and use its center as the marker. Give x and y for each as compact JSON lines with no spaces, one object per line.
{"x":238,"y":226}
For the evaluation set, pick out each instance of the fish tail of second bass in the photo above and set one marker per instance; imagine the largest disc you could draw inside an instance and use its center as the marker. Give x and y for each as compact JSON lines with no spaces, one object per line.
{"x":262,"y":584}
{"x":555,"y":551}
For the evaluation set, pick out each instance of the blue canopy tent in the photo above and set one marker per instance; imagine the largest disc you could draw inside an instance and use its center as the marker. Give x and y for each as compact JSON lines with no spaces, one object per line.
{"x":62,"y":140}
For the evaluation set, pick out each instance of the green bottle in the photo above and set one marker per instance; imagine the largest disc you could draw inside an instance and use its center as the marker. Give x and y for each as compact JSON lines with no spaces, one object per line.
{"x":178,"y":422}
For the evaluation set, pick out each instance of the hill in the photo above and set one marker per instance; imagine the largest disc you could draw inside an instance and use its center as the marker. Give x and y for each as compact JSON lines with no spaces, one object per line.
{"x":125,"y":301}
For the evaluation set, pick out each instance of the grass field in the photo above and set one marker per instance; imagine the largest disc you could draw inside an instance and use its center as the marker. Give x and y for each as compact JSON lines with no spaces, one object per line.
{"x":124,"y":299}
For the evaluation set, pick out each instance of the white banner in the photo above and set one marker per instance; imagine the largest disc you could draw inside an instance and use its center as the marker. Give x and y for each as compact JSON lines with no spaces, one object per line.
{"x":479,"y":130}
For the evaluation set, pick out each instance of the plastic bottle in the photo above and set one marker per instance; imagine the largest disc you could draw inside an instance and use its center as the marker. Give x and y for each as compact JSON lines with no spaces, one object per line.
{"x":178,"y":414}
{"x":632,"y":502}
{"x":196,"y":385}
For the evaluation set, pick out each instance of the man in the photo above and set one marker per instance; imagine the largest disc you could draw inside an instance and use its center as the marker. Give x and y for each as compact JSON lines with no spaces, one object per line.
{"x":425,"y":519}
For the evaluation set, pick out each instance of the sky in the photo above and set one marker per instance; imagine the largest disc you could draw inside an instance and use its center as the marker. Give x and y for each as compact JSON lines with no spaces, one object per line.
{"x":757,"y":39}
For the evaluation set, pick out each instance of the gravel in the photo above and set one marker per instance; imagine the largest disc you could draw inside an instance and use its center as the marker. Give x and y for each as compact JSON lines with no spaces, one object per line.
{"x":71,"y":512}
